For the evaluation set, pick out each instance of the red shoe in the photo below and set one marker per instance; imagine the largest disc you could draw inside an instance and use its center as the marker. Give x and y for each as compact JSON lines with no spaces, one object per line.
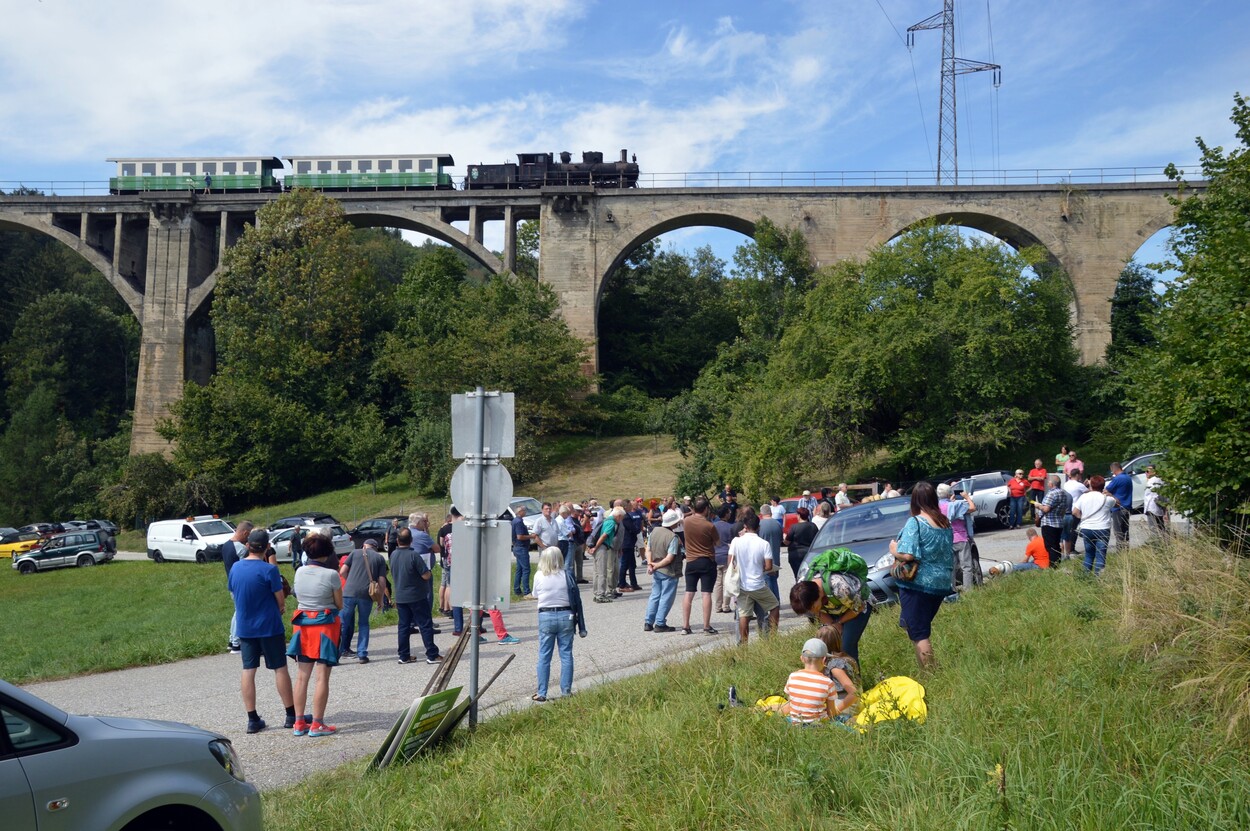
{"x":320,"y":729}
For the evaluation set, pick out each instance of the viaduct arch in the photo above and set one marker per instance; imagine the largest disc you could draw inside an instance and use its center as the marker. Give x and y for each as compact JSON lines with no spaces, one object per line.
{"x":162,"y":252}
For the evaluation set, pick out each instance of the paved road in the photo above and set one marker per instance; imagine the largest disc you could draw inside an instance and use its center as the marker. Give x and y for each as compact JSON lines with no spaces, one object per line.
{"x":365,"y":700}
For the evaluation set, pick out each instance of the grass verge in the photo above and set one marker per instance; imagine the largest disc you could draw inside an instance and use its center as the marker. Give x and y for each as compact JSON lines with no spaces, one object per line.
{"x":1045,"y":714}
{"x":74,"y":621}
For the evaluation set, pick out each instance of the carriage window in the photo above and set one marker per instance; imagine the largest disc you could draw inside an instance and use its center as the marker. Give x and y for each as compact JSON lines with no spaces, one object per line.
{"x":229,"y":167}
{"x":384,"y":165}
{"x":128,"y":170}
{"x":303,"y":167}
{"x":188,"y":168}
{"x":426,"y":165}
{"x":323,"y":167}
{"x":364,"y":165}
{"x":149,"y":168}
{"x":169,"y":169}
{"x":405,"y":165}
{"x":249,"y":167}
{"x":210,"y":167}
{"x":345,"y":166}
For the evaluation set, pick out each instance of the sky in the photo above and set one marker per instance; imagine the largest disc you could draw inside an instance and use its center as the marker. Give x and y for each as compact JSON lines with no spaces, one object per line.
{"x":761,"y":85}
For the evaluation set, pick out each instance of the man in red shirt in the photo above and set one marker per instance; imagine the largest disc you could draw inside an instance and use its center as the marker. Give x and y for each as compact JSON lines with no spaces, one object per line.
{"x":1037,"y":488}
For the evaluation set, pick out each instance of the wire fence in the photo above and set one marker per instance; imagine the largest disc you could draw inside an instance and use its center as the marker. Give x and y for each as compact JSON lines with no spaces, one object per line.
{"x":762,"y":179}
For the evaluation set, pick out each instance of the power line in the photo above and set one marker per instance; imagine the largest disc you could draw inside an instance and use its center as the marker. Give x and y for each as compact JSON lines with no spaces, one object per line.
{"x":924,"y":124}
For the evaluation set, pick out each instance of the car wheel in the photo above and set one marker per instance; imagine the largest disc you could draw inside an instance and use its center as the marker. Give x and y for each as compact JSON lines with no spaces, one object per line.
{"x":157,"y":557}
{"x":26,"y":568}
{"x":85,"y":560}
{"x":1003,"y":513}
{"x":200,"y":557}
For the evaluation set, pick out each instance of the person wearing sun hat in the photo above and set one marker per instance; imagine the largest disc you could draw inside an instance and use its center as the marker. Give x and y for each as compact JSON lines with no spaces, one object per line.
{"x":664,"y":558}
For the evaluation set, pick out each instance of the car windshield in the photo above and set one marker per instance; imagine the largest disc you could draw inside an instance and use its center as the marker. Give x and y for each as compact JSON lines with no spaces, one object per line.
{"x":213,"y":527}
{"x":871,"y":522}
{"x":531,"y":505}
{"x":791,"y":505}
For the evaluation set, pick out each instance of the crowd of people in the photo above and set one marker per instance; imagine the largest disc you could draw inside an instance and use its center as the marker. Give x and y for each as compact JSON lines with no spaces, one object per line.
{"x":727,"y":555}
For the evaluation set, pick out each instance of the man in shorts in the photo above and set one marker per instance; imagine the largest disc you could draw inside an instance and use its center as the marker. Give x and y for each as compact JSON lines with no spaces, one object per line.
{"x":701,"y":538}
{"x":754,"y":557}
{"x":259,"y":604}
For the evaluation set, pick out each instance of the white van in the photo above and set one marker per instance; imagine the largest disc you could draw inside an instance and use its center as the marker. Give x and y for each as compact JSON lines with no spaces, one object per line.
{"x":194,"y":539}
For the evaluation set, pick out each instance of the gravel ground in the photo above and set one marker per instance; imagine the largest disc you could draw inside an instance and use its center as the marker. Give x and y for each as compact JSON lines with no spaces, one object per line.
{"x":366,"y":699}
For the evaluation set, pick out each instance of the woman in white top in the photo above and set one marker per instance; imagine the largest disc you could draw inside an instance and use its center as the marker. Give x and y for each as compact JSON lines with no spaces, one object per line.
{"x":1093,"y":509}
{"x":316,"y":630}
{"x":556,"y":621}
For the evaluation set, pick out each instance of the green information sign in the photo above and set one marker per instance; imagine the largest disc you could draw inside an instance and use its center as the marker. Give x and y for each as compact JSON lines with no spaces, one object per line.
{"x":421,"y":726}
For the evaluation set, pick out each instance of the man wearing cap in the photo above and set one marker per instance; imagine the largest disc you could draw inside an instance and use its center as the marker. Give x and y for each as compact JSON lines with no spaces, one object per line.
{"x":664,"y":559}
{"x":754,"y":557}
{"x":361,"y":566}
{"x":233,"y":550}
{"x":259,"y":603}
{"x":807,"y":501}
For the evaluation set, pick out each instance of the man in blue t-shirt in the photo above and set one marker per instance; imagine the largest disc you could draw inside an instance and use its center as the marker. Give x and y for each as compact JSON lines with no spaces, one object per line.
{"x":1120,"y":485}
{"x":259,"y":603}
{"x":521,"y":551}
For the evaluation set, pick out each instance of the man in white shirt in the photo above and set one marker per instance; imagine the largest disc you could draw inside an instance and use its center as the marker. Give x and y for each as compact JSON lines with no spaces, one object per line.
{"x":842,"y":500}
{"x":754,"y":557}
{"x":1075,"y":487}
{"x":547,"y":528}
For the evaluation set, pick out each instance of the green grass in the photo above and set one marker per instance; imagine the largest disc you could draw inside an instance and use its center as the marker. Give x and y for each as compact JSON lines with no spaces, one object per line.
{"x":73,"y":621}
{"x":1045,"y":714}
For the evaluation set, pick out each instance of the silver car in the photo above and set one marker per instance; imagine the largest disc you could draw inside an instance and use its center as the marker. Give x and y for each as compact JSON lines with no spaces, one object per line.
{"x":87,"y":773}
{"x":281,"y":540}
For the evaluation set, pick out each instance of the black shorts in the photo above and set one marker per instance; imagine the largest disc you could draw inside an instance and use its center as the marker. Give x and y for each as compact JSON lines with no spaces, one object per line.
{"x":918,"y":610}
{"x":700,"y":575}
{"x":273,"y":648}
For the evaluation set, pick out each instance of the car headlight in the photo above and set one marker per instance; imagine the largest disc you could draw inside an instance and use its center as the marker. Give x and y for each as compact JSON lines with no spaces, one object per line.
{"x":224,"y":753}
{"x":884,"y":562}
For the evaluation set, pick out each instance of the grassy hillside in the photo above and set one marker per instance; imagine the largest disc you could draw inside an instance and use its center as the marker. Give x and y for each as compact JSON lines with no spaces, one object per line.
{"x":1052,"y":708}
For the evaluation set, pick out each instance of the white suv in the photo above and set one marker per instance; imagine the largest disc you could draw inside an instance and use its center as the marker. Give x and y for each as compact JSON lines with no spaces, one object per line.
{"x":989,"y":493}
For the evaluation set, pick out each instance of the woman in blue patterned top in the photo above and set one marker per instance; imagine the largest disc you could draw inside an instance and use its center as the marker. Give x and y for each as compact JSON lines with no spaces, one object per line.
{"x":928,"y":540}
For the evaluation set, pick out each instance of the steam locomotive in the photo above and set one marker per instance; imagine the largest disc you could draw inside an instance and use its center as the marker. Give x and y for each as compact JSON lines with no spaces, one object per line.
{"x":536,"y":170}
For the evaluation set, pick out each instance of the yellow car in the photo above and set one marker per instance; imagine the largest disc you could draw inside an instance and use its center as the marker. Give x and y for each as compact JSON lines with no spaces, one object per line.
{"x":18,"y":543}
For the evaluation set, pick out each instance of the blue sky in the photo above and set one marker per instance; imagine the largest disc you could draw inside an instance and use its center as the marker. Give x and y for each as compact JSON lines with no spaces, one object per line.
{"x":770,"y":85}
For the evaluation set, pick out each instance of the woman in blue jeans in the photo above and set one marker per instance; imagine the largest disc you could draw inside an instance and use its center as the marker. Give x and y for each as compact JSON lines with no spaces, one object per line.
{"x":559,"y":616}
{"x":1093,"y":509}
{"x":834,"y":591}
{"x":1016,"y":504}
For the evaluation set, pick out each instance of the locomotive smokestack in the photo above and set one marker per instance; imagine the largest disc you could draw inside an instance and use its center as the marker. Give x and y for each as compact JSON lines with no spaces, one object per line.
{"x":566,"y":157}
{"x":624,"y":154}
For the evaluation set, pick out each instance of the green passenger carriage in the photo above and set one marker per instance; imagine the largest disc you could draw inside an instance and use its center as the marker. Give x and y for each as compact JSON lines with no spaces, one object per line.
{"x":386,"y":172}
{"x":238,"y":173}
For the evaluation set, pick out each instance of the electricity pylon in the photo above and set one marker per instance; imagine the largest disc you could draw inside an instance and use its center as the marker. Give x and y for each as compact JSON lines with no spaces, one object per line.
{"x":948,"y":141}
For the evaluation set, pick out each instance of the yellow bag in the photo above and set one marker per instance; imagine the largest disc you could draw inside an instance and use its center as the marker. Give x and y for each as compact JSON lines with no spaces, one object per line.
{"x":771,"y":704}
{"x":895,"y":697}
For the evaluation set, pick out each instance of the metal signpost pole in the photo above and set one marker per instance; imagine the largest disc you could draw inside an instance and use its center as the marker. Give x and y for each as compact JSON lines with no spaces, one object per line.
{"x":479,"y":519}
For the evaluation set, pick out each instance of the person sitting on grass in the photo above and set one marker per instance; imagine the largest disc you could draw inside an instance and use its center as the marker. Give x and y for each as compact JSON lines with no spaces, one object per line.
{"x":1035,"y":556}
{"x":811,"y":695}
{"x":842,"y":669}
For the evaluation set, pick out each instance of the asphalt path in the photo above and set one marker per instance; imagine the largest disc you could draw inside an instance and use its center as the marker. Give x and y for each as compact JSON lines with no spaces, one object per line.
{"x":365,"y":700}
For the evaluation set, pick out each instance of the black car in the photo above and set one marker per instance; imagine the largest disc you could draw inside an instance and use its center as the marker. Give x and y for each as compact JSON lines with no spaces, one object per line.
{"x":310,"y":518}
{"x":375,"y":528}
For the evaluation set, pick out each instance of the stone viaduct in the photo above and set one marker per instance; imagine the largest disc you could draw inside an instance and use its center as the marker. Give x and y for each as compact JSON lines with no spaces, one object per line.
{"x":162,"y":252}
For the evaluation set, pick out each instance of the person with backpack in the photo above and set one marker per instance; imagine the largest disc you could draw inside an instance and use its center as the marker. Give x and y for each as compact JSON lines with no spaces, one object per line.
{"x":834,"y":590}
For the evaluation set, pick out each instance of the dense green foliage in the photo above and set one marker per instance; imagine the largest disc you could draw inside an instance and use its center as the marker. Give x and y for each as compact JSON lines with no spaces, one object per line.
{"x":939,"y":349}
{"x":1191,"y":393}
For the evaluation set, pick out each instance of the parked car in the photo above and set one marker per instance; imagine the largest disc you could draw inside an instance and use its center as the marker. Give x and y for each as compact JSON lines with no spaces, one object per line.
{"x":310,"y":518}
{"x":375,"y":528}
{"x":281,"y":541}
{"x":43,"y":529}
{"x":533,"y":510}
{"x":867,"y":530}
{"x":194,"y":539}
{"x":19,"y":542}
{"x":63,"y":771}
{"x":988,"y":490}
{"x":73,"y":548}
{"x":1136,"y":467}
{"x":791,"y":504}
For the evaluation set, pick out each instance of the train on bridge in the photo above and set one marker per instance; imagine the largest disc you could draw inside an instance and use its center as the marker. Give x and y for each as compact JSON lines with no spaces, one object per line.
{"x":366,"y":173}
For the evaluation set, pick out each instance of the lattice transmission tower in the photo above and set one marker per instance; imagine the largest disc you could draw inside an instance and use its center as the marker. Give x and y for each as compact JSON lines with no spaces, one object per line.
{"x":948,"y":125}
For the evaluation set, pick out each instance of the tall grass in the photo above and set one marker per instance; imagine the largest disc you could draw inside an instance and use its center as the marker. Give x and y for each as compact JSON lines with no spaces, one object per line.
{"x":1042,"y":715}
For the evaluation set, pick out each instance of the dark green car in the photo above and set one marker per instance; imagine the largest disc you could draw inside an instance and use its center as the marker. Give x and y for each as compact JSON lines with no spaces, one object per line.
{"x":76,"y":548}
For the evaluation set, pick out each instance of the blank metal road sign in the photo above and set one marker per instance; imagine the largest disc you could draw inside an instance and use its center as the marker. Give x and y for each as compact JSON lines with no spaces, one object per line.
{"x":500,"y":424}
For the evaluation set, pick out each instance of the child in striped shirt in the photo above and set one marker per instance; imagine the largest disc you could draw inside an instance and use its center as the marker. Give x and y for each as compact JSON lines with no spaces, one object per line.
{"x":812,"y":694}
